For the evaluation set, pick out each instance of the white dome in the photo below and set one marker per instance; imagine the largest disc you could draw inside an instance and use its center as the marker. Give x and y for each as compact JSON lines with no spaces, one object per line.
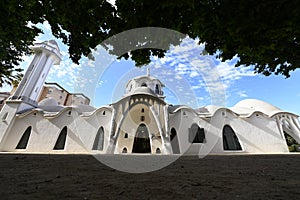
{"x":258,"y":105}
{"x":48,"y":102}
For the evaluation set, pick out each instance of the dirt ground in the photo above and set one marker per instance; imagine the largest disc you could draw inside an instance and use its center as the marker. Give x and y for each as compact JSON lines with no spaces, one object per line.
{"x":24,"y":176}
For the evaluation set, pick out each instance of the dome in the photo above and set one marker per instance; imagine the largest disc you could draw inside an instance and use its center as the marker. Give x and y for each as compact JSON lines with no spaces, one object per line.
{"x":146,"y":81}
{"x":258,"y":105}
{"x":48,"y":102}
{"x":52,"y":43}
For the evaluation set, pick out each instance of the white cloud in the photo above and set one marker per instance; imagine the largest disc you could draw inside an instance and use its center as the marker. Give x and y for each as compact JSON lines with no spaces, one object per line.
{"x":242,"y":94}
{"x":194,"y":74}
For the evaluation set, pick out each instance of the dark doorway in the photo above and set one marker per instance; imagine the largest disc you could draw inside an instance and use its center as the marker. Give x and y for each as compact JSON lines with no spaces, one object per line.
{"x":61,"y":140}
{"x":230,"y":140}
{"x":174,"y":141}
{"x":24,"y":139}
{"x":99,"y":139}
{"x":141,"y":141}
{"x":196,"y":134}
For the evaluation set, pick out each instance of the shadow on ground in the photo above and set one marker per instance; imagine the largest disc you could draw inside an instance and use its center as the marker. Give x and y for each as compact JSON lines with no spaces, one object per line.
{"x":25,"y":176}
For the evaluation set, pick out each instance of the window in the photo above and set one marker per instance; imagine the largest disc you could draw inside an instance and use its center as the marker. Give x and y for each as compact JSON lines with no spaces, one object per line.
{"x":61,"y":140}
{"x":24,"y":139}
{"x":103,"y":113}
{"x":230,"y":140}
{"x":196,"y":134}
{"x":60,"y":97}
{"x":158,"y":150}
{"x":99,"y":139}
{"x":124,"y":150}
{"x":144,"y":85}
{"x":126,"y":135}
{"x":142,"y":118}
{"x":156,"y":89}
{"x":4,"y":117}
{"x":143,"y":110}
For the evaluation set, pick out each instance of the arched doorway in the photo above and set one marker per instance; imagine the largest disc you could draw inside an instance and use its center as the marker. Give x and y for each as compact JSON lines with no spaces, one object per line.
{"x":141,"y":142}
{"x":230,"y":140}
{"x":61,"y":140}
{"x":174,"y":141}
{"x":99,"y":140}
{"x":24,"y":139}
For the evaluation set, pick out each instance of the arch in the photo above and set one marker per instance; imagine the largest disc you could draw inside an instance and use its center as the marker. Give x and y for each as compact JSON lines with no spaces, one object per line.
{"x":99,"y":140}
{"x":292,"y":144}
{"x":61,"y":140}
{"x":196,"y":134}
{"x":158,"y":150}
{"x":141,"y":142}
{"x":230,"y":140}
{"x":174,"y":141}
{"x":24,"y":139}
{"x":124,"y":150}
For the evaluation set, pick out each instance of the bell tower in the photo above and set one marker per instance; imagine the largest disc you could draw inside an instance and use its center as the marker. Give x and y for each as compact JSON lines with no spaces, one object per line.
{"x":26,"y":95}
{"x":46,"y":54}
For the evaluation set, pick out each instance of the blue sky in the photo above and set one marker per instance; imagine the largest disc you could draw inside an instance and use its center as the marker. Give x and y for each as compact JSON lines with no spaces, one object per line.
{"x":190,"y":78}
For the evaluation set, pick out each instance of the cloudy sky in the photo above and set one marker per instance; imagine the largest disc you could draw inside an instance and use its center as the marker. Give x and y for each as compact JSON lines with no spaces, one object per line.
{"x":190,"y":77}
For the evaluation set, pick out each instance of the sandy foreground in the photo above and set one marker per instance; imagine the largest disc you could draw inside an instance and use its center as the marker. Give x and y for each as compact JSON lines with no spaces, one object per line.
{"x":25,"y":176}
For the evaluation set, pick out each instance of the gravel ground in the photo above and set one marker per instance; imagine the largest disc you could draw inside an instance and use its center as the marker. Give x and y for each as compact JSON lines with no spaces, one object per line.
{"x":26,"y":176}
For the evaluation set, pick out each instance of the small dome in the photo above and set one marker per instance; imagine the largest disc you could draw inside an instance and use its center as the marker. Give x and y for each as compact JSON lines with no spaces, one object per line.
{"x":48,"y":102}
{"x":52,"y":43}
{"x":258,"y":105}
{"x":147,"y":81}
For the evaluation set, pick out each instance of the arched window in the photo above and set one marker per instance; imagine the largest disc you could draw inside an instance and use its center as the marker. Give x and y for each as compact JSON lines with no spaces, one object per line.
{"x":196,"y":134}
{"x":124,"y":150}
{"x":24,"y":139}
{"x":126,"y":135}
{"x":103,"y":113}
{"x":99,"y":140}
{"x":61,"y":140}
{"x":143,"y":110}
{"x":158,"y":150}
{"x":230,"y":140}
{"x":144,"y":85}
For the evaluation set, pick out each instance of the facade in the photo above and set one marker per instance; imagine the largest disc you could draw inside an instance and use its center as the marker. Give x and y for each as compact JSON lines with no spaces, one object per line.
{"x":141,"y":122}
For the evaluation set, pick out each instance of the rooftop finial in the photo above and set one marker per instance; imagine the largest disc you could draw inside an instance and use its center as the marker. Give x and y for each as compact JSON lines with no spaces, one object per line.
{"x":148,"y":71}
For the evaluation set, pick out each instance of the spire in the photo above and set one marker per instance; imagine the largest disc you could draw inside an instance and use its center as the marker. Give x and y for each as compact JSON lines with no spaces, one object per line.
{"x":148,"y":71}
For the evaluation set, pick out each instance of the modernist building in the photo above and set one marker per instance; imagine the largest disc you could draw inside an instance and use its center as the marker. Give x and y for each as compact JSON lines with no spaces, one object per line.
{"x":140,"y":122}
{"x":62,"y":96}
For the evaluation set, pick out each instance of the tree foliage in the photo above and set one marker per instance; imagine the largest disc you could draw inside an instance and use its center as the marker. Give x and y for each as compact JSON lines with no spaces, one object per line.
{"x":264,"y":33}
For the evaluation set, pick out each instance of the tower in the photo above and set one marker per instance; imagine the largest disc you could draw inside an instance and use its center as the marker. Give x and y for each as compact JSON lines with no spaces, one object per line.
{"x":26,"y":95}
{"x":46,"y":54}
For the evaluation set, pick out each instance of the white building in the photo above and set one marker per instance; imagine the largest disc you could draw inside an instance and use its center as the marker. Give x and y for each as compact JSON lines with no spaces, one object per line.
{"x":140,"y":122}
